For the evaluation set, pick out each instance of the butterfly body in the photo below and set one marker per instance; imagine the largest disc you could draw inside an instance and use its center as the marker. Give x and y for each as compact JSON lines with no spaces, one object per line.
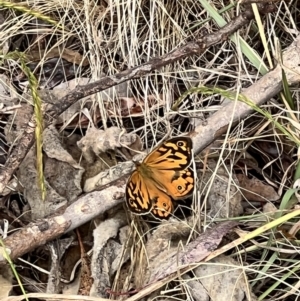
{"x":162,"y":177}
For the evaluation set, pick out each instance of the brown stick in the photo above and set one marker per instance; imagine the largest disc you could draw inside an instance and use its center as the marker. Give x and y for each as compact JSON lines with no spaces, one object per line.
{"x":261,"y":91}
{"x":84,"y":209}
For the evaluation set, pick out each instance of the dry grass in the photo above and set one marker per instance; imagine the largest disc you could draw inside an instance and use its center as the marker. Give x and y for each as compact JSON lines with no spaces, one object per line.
{"x":116,"y":35}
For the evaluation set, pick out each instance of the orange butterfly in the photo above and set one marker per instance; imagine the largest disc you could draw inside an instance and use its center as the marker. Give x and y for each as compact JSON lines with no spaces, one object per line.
{"x":163,"y":176}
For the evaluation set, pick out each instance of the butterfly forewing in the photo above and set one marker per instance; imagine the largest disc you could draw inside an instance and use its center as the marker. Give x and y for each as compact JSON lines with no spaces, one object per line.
{"x":175,"y":153}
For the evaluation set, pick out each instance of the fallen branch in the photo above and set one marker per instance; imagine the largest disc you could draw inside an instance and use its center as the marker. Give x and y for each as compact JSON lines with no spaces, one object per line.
{"x":80,"y":212}
{"x":261,"y":91}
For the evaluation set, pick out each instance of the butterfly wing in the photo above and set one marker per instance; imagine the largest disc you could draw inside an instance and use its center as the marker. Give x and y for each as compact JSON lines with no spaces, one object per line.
{"x":137,"y":196}
{"x":179,"y":184}
{"x":175,"y":154}
{"x":169,"y":167}
{"x":163,"y":206}
{"x":143,"y":196}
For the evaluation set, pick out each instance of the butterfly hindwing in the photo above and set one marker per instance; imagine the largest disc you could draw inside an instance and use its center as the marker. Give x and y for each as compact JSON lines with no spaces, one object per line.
{"x":142,"y":196}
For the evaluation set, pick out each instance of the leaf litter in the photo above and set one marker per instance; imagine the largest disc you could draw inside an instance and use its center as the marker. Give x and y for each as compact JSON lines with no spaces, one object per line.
{"x":86,"y":146}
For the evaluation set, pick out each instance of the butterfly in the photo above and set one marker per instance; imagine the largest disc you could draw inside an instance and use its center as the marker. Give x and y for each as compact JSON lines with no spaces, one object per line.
{"x":162,"y":177}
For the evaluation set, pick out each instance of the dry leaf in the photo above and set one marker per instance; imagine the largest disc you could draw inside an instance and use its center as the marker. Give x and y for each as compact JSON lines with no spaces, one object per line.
{"x":72,"y":117}
{"x":165,"y":239}
{"x":27,"y":176}
{"x":62,"y":52}
{"x":98,"y":141}
{"x":195,"y":288}
{"x":6,"y":279}
{"x":62,"y":175}
{"x":255,"y":190}
{"x":107,"y":253}
{"x":86,"y":279}
{"x":134,"y":107}
{"x":224,"y":279}
{"x":193,"y":253}
{"x":14,"y":127}
{"x":270,"y":208}
{"x":7,"y":92}
{"x":224,"y":197}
